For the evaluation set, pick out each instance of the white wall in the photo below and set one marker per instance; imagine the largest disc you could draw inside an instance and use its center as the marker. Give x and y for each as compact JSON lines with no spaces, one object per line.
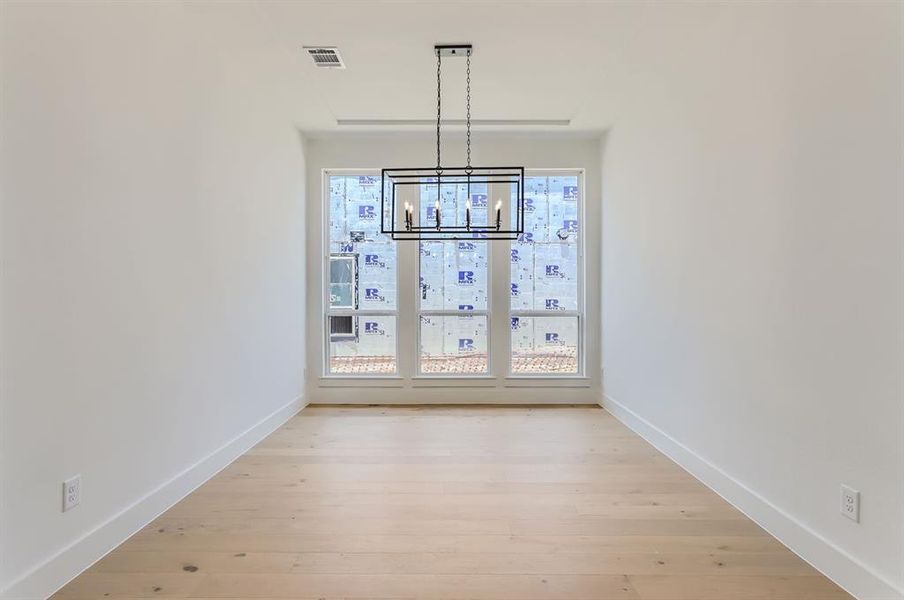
{"x":753,"y":266}
{"x":395,"y":149}
{"x":153,"y":260}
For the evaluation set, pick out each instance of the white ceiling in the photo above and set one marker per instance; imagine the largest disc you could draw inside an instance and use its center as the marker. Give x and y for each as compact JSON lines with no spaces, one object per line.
{"x":532,"y":61}
{"x":546,"y":60}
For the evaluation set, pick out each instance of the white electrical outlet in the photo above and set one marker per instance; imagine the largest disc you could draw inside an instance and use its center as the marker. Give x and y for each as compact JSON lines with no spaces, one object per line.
{"x":850,"y":503}
{"x":72,"y":492}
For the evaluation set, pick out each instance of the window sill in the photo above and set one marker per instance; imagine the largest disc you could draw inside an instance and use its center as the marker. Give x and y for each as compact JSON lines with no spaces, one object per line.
{"x":361,"y":381}
{"x":550,"y":381}
{"x":444,"y":381}
{"x":430,"y":381}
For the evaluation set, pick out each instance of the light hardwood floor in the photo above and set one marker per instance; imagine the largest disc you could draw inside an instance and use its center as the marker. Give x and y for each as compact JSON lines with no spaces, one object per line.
{"x":448,"y":503}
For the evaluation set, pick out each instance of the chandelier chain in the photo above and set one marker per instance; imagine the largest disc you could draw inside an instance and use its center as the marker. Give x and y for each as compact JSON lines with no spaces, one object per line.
{"x":439,"y":106}
{"x":468,"y":115}
{"x":443,"y":224}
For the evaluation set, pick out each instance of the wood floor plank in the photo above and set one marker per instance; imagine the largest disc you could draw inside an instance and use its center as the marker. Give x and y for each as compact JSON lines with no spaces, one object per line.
{"x":546,"y":525}
{"x":780,"y":563}
{"x":452,"y":503}
{"x":97,"y":584}
{"x":509,"y":544}
{"x":746,"y":587}
{"x":207,"y":561}
{"x":440,"y":587}
{"x":383,"y":563}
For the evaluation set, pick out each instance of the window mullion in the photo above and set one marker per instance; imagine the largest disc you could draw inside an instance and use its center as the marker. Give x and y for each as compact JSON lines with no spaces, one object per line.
{"x":407,"y":270}
{"x":499,"y":273}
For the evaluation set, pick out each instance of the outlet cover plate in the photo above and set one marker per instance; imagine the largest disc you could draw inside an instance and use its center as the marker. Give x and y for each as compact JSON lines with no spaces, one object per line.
{"x":850,"y":503}
{"x":72,"y":492}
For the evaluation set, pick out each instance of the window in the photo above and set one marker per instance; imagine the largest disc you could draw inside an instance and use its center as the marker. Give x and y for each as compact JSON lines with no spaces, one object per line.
{"x":546,"y":303}
{"x":361,"y":272}
{"x":343,"y":280}
{"x":454,"y":325}
{"x":454,"y":290}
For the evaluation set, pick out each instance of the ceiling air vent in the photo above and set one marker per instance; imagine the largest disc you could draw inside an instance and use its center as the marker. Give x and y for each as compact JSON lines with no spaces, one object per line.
{"x":325,"y":57}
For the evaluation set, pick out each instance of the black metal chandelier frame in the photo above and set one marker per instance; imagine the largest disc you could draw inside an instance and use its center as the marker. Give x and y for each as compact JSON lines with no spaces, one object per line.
{"x":440,"y":176}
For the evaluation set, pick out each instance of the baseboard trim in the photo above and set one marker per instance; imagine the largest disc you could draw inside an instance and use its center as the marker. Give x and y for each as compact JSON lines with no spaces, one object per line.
{"x":856,"y":578}
{"x":60,"y":568}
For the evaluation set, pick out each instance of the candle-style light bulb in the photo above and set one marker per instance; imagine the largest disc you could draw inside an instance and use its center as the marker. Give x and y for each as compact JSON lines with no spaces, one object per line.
{"x":498,"y":213}
{"x":468,"y":214}
{"x":436,"y":207}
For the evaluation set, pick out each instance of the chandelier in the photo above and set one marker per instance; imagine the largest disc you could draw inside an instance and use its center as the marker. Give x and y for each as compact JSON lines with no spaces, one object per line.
{"x":452,"y":203}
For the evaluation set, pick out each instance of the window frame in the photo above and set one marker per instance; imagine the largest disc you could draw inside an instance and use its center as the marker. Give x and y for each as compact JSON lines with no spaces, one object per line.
{"x":328,"y":311}
{"x":412,"y":373}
